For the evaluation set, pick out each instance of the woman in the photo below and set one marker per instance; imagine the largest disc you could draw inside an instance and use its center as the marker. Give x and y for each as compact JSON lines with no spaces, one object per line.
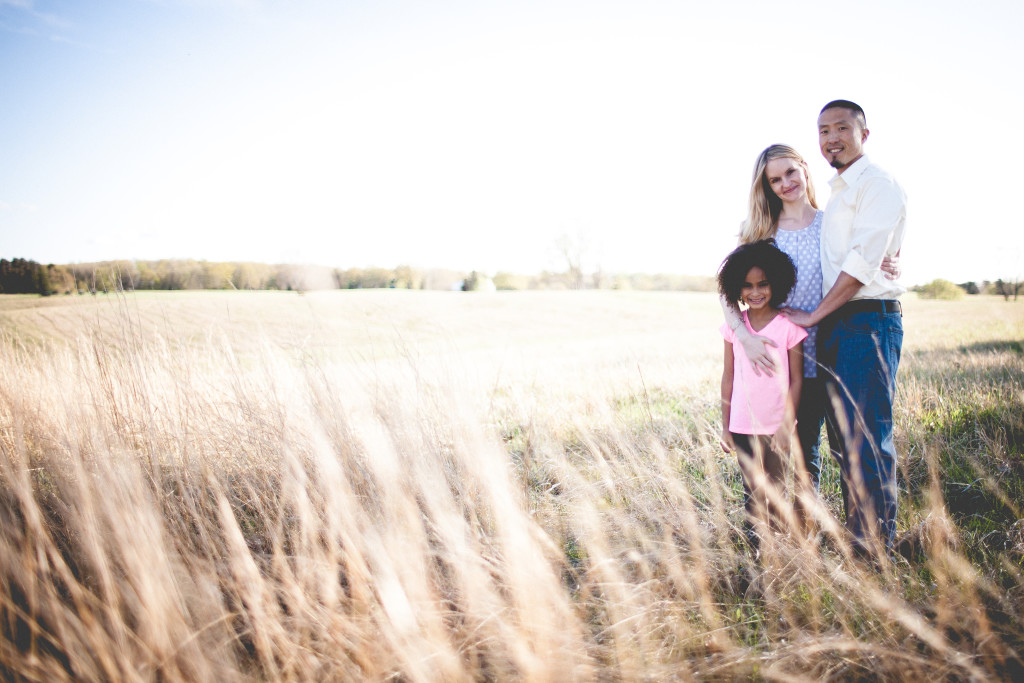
{"x":783,"y":207}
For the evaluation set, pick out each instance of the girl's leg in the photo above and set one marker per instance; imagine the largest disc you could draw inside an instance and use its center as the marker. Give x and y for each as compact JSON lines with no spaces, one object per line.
{"x":810,"y":418}
{"x":750,"y":454}
{"x":774,"y":467}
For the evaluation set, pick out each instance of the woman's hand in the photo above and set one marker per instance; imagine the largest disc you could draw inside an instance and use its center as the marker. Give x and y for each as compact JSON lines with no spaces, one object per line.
{"x":756,"y":348}
{"x":891,"y":267}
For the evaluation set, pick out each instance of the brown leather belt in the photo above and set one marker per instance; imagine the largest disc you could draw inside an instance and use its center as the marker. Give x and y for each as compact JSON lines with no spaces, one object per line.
{"x":870,"y":306}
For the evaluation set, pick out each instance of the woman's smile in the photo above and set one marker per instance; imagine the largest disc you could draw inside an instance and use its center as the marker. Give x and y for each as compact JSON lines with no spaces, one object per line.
{"x":786,"y":178}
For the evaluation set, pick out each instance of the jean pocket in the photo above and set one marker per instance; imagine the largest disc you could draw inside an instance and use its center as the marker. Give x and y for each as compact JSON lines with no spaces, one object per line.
{"x":895,"y":339}
{"x":861,"y":323}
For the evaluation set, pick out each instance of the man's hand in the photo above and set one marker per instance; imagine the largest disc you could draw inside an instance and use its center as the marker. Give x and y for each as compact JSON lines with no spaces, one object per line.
{"x":798,"y":317}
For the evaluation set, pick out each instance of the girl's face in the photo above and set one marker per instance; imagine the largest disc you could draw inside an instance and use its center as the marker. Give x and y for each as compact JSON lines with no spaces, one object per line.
{"x":756,"y":291}
{"x":787,"y":178}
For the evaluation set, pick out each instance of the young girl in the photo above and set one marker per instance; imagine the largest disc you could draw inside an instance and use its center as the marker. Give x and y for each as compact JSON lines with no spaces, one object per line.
{"x":759,"y":410}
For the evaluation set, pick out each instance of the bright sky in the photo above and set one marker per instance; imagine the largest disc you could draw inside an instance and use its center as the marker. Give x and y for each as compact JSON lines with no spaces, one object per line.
{"x":473,"y":134}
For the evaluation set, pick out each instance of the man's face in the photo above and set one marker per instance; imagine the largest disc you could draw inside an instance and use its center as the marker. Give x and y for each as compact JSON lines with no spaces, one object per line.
{"x":841,"y":137}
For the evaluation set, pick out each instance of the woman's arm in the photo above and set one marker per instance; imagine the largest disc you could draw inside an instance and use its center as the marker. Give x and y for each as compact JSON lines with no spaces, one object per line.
{"x":727,"y":379}
{"x":755,"y":346}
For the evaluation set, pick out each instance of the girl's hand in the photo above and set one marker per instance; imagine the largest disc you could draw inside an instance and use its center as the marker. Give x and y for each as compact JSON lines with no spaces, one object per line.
{"x":891,"y":267}
{"x":726,"y":441}
{"x":782,"y":439}
{"x":756,"y":348}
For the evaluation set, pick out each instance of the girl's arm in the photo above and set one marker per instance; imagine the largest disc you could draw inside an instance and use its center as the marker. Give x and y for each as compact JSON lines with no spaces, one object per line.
{"x":783,"y":437}
{"x":754,"y":345}
{"x":727,"y":376}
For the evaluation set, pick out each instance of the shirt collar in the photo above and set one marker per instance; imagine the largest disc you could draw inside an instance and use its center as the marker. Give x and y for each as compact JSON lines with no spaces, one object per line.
{"x":851,"y":175}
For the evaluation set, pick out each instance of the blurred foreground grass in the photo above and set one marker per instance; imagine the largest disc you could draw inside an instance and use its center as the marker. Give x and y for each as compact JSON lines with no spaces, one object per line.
{"x":445,"y":486}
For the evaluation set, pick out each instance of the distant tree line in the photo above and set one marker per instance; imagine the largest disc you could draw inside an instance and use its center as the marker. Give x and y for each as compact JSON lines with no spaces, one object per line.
{"x":944,"y":289}
{"x":23,"y":276}
{"x":1008,"y":289}
{"x":1003,"y":288}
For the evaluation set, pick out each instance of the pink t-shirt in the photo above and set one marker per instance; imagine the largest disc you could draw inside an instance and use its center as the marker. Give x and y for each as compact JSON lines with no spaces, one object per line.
{"x":759,"y":402}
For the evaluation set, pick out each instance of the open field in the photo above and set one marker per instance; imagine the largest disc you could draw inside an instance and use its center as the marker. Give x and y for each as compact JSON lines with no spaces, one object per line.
{"x":423,"y":486}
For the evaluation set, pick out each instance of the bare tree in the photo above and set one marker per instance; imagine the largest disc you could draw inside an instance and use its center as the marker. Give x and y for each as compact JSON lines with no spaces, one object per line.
{"x":1008,"y":289}
{"x":1010,"y":262}
{"x":572,"y":250}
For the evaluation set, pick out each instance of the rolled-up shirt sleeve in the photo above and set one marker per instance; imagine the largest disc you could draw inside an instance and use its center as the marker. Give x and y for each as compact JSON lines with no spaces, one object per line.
{"x":864,"y":222}
{"x":881,"y":215}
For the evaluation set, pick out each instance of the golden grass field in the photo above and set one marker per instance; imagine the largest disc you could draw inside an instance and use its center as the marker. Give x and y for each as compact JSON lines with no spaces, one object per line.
{"x":441,"y":486}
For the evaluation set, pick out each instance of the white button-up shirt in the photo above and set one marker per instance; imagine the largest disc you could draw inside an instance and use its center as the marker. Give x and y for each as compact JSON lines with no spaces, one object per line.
{"x":864,"y":222}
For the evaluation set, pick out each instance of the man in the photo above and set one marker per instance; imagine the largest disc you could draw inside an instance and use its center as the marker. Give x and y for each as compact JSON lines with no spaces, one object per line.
{"x":860,"y":323}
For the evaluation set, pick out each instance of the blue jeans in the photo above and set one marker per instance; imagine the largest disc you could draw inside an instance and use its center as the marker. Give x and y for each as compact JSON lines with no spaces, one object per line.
{"x":861,"y":353}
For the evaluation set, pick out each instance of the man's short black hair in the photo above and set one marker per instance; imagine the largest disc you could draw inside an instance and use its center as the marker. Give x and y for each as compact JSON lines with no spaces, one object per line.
{"x":847,"y":104}
{"x":765,"y":254}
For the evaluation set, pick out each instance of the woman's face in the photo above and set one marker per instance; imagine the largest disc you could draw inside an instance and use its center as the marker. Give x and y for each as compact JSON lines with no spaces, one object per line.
{"x":787,"y":179}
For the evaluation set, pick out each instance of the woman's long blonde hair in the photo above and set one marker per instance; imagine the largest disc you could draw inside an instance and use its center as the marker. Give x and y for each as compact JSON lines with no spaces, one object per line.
{"x":765,"y":205}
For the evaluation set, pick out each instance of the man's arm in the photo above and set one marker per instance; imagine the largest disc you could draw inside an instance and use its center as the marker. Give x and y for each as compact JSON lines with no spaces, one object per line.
{"x":877,"y":228}
{"x":879,"y":219}
{"x":842,"y":291}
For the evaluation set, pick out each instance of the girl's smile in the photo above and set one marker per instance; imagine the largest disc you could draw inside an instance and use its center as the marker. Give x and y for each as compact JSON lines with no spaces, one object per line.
{"x":756,"y":292}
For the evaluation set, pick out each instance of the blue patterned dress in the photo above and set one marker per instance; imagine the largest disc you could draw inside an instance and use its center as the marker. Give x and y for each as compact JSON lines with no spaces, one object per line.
{"x":804,"y":247}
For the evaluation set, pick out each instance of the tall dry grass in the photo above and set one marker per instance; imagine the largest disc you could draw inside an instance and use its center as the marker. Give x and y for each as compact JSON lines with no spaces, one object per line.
{"x":184,"y":503}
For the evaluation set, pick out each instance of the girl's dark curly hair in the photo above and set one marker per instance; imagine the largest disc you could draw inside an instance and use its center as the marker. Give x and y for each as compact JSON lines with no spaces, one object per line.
{"x":777,"y":267}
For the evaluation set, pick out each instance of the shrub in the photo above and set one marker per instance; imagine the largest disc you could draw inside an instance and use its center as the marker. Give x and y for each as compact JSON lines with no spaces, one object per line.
{"x":940,"y":289}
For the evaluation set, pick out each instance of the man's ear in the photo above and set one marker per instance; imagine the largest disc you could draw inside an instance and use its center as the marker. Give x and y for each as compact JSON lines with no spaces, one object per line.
{"x":864,"y":136}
